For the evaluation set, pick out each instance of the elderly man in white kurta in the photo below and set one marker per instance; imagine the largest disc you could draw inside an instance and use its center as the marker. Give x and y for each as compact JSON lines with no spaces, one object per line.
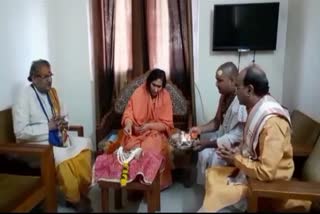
{"x":37,"y":114}
{"x":226,"y":129}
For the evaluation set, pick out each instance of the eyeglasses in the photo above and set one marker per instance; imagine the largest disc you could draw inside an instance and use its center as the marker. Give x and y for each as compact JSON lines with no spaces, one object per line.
{"x":44,"y":77}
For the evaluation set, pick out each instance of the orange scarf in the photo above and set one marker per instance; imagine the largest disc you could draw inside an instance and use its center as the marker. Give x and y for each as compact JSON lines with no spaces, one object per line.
{"x":57,"y":110}
{"x":55,"y":102}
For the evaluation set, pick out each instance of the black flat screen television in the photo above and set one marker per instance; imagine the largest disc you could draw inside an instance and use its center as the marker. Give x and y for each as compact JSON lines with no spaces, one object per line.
{"x":245,"y":26}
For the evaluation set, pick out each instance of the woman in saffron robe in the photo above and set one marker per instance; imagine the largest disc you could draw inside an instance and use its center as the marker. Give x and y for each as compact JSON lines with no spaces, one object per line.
{"x":148,"y":120}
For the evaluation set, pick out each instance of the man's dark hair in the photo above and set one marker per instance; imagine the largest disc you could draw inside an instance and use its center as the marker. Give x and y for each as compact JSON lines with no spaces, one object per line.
{"x":154,"y":75}
{"x":256,"y":77}
{"x":35,"y":67}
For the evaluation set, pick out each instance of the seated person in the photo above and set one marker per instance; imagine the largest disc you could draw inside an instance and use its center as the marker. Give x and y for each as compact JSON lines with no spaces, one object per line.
{"x":38,"y":119}
{"x":265,"y":153}
{"x":147,"y":122}
{"x":226,"y":127}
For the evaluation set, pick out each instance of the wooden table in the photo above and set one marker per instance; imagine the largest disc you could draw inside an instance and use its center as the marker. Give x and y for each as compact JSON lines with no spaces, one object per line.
{"x":152,"y":193}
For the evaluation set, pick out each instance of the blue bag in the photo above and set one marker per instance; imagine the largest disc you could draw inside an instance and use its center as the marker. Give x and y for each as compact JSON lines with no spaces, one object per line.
{"x":54,"y":138}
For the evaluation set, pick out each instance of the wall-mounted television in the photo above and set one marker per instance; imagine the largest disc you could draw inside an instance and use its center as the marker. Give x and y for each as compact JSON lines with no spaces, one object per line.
{"x":251,"y":26}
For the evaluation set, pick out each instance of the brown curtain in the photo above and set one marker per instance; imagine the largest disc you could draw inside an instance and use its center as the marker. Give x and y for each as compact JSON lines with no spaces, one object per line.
{"x":161,"y":34}
{"x":180,"y":37}
{"x":140,"y":56}
{"x":103,"y":50}
{"x":151,"y":34}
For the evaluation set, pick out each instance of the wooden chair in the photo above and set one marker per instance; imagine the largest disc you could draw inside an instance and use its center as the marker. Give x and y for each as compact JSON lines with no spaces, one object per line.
{"x":21,"y":193}
{"x":305,"y":132}
{"x":306,"y":188}
{"x":7,"y":135}
{"x":21,"y":187}
{"x":182,"y":114}
{"x":182,"y":117}
{"x":26,"y":186}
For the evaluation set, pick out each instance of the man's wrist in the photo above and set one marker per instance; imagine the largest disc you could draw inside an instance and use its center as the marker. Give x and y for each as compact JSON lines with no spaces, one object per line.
{"x":201,"y":129}
{"x":214,"y":144}
{"x":210,"y":144}
{"x":237,"y":159}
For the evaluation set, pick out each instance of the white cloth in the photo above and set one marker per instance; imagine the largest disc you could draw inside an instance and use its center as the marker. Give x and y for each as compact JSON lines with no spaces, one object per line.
{"x":31,"y":125}
{"x":229,"y":132}
{"x":266,"y":108}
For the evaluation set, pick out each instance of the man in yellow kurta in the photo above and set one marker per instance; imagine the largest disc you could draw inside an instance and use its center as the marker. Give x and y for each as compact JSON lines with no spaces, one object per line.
{"x":265,"y":153}
{"x":38,"y":118}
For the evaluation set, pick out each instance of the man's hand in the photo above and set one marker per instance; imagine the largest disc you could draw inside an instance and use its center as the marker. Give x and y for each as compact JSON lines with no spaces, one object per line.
{"x":53,"y":124}
{"x":195,"y":131}
{"x":199,"y":145}
{"x":228,"y":154}
{"x":62,"y":124}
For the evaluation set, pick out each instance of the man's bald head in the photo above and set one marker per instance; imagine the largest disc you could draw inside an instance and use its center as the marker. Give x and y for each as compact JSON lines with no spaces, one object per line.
{"x":255,"y":76}
{"x":229,"y":69}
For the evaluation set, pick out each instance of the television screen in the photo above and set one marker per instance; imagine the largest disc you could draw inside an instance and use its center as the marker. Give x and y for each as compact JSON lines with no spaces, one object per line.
{"x":245,"y":26}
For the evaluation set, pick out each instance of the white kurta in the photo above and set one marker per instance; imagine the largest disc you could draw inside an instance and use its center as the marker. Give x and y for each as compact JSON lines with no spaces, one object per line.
{"x":229,"y":132}
{"x":31,"y":125}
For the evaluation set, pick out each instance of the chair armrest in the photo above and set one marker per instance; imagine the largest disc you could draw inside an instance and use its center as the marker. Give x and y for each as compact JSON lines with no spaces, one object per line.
{"x":44,"y":152}
{"x":282,"y":190}
{"x":104,"y":126}
{"x":301,"y":149}
{"x":78,"y":129}
{"x":47,"y":166}
{"x":24,"y":149}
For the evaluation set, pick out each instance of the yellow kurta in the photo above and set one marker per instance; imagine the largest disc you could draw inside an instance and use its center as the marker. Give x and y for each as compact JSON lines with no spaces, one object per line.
{"x":275,"y":162}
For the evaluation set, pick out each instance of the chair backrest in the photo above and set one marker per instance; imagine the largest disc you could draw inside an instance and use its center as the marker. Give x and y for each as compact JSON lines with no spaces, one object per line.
{"x":179,"y":103}
{"x":6,"y":126}
{"x":304,"y":128}
{"x":311,"y":168}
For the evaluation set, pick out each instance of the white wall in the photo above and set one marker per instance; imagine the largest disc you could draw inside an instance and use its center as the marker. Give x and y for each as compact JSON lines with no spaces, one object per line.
{"x":272,"y":62}
{"x":23,"y":38}
{"x":59,"y":32}
{"x":69,"y":46}
{"x":302,"y":64}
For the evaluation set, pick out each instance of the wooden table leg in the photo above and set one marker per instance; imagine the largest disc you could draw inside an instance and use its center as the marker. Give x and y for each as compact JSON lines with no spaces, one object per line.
{"x":104,"y":199}
{"x":153,"y":195}
{"x":151,"y":202}
{"x":252,"y":203}
{"x":157,"y":192}
{"x":117,"y":198}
